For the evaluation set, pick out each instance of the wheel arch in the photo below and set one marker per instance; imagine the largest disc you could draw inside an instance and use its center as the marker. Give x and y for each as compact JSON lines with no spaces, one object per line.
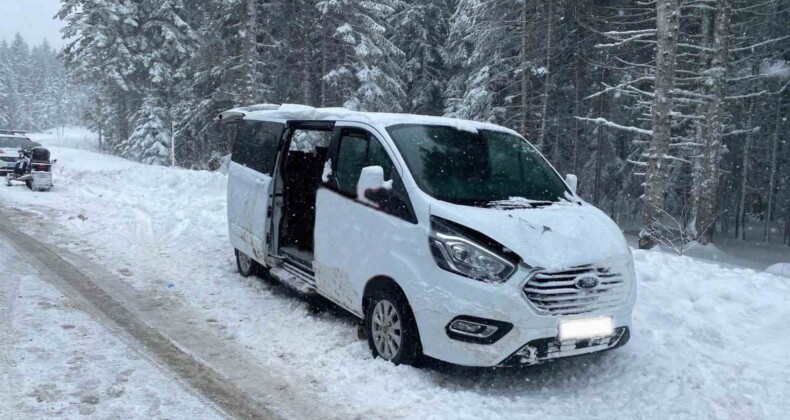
{"x":383,"y":282}
{"x":377,"y":283}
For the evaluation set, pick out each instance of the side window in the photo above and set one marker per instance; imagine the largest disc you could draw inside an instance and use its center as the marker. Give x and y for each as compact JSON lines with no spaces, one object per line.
{"x":358,"y":150}
{"x":352,"y":157}
{"x":256,"y":145}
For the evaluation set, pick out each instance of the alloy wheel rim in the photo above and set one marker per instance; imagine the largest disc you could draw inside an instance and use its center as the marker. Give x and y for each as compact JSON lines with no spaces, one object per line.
{"x":244,"y":262}
{"x":387,"y":332}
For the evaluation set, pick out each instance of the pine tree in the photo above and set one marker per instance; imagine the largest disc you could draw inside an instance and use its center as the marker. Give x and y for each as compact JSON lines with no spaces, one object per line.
{"x":368,"y":72}
{"x":150,"y":142}
{"x":419,"y":30}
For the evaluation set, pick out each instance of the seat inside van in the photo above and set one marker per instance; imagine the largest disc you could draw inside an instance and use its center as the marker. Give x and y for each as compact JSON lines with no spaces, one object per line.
{"x":302,"y":171}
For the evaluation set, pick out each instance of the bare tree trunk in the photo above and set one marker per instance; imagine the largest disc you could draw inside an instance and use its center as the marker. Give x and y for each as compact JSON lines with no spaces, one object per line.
{"x":525,"y":72}
{"x":787,"y":216}
{"x":547,"y":86}
{"x":248,"y":76}
{"x":576,"y":111}
{"x":599,"y":147}
{"x":772,"y":177}
{"x":707,"y":183}
{"x":324,"y":65}
{"x":740,"y":222}
{"x":307,"y":93}
{"x":656,"y":176}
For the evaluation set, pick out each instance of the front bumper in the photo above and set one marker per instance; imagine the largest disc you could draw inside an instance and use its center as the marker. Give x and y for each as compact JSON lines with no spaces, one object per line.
{"x":533,"y":338}
{"x":546,"y":349}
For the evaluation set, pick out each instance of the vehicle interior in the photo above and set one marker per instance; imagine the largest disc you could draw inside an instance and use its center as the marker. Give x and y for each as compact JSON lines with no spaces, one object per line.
{"x":301,"y":171}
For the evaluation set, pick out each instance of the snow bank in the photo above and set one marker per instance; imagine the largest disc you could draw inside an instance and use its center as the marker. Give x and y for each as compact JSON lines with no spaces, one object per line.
{"x":779,"y":269}
{"x":707,"y":342}
{"x":68,"y":136}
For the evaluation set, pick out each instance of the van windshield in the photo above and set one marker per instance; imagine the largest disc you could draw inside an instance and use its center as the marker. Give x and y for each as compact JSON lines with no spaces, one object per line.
{"x":477,"y":169}
{"x":14,"y":142}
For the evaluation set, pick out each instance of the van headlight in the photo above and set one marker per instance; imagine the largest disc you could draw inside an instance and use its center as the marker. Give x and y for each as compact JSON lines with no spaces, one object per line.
{"x":457,"y":253}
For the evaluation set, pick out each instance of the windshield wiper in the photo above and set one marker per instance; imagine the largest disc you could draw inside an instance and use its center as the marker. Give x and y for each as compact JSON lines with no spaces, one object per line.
{"x":519,"y":204}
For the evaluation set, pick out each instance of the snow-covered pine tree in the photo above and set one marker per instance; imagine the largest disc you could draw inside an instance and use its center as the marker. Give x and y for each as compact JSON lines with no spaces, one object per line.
{"x":131,"y":49}
{"x":367,"y":67}
{"x":5,"y":84}
{"x":150,"y":142}
{"x":419,"y":29}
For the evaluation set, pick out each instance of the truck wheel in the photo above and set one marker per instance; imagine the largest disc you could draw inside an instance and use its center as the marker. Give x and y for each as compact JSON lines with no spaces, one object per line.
{"x":29,"y":184}
{"x":391,"y":329}
{"x":246,"y":265}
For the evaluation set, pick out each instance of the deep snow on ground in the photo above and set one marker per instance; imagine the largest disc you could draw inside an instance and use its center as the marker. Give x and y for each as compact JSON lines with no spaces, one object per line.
{"x":708,"y":341}
{"x":67,"y":136}
{"x":780,"y":269}
{"x":57,"y":361}
{"x":753,"y":252}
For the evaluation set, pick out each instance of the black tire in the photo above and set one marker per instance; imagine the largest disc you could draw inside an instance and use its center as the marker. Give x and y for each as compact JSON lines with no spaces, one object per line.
{"x":246,"y":268}
{"x":408,"y":352}
{"x":29,"y":184}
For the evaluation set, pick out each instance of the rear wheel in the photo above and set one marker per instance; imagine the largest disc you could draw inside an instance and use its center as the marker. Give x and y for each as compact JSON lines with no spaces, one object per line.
{"x":29,"y":184}
{"x":246,"y":265}
{"x":391,"y":329}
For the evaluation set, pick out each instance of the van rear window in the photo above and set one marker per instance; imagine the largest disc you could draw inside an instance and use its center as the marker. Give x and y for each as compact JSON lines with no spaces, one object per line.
{"x":256,"y":145}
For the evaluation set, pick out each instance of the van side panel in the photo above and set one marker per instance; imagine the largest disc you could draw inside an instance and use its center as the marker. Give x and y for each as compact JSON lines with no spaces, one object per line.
{"x":355,"y":243}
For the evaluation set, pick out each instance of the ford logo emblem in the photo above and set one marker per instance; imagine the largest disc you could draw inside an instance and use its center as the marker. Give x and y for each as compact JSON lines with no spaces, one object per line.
{"x":587,"y":282}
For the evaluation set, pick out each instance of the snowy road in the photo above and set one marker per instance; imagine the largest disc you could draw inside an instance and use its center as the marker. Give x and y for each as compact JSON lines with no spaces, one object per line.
{"x":57,"y":360}
{"x":708,"y":342}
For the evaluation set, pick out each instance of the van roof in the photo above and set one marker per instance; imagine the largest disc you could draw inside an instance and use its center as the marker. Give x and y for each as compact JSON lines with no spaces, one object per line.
{"x":308,"y":113}
{"x":13,"y":136}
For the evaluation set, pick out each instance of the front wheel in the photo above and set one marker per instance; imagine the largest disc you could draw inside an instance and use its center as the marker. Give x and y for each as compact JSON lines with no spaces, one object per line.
{"x":246,"y":265}
{"x":391,"y":329}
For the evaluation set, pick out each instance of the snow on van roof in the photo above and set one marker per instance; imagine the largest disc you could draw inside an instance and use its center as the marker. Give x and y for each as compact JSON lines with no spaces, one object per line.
{"x":308,"y":113}
{"x":14,"y":135}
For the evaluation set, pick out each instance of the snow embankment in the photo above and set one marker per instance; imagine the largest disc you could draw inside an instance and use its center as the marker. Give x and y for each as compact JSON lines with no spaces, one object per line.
{"x":708,"y":342}
{"x":67,"y":136}
{"x":779,"y":269}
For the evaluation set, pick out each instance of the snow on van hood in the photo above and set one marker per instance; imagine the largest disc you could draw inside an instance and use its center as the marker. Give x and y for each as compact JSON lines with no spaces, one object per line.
{"x":560,"y":236}
{"x":9,"y":151}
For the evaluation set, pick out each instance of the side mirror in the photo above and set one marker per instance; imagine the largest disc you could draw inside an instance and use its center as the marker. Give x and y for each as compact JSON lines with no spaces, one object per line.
{"x":572,"y":181}
{"x":54,"y":161}
{"x":371,"y":180}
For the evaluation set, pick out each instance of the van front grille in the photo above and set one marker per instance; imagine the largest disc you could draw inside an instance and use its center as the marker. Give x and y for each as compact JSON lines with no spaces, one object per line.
{"x":564,"y":293}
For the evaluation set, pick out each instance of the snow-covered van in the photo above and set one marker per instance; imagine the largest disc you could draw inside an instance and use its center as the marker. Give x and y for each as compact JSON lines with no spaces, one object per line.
{"x":451,"y":239}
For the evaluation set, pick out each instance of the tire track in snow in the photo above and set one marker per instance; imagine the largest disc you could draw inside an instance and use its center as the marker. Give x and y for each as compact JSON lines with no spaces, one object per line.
{"x":190,"y":368}
{"x":9,"y":288}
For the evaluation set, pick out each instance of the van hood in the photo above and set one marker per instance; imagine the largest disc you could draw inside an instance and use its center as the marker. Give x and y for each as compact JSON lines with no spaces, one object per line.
{"x":556,"y":237}
{"x":9,"y":151}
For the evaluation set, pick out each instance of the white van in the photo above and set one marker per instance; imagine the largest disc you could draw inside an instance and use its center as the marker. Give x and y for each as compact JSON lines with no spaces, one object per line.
{"x":451,"y":239}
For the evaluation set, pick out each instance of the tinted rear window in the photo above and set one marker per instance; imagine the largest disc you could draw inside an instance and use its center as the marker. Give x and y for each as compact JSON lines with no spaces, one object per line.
{"x":256,"y":145}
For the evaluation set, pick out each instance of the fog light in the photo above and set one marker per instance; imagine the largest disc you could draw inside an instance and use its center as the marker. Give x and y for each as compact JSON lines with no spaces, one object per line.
{"x":477,"y":330}
{"x":472,"y":328}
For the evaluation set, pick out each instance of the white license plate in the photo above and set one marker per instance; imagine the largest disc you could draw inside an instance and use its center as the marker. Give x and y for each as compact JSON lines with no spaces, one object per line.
{"x":579,"y":329}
